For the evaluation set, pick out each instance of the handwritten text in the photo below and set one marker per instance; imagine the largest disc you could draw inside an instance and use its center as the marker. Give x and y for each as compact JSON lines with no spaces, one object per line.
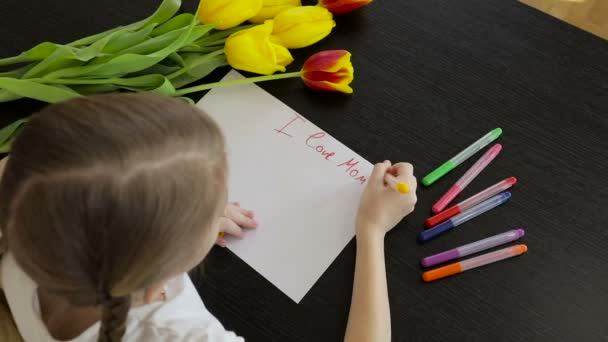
{"x":316,"y":142}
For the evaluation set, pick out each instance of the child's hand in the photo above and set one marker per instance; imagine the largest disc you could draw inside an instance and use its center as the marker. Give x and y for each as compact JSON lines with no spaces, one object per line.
{"x":234,"y":220}
{"x":381,"y":207}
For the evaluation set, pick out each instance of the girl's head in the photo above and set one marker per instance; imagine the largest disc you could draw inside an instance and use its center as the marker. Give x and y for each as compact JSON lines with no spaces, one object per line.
{"x":108,"y":195}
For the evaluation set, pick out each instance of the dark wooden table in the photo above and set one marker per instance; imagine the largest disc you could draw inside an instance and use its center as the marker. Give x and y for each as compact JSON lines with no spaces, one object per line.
{"x":431,"y":77}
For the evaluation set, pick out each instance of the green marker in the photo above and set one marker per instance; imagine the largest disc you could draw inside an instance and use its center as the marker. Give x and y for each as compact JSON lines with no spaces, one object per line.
{"x":462,"y":156}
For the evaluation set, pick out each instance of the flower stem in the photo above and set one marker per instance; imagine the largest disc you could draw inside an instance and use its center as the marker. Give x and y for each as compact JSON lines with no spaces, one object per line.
{"x":236,"y":82}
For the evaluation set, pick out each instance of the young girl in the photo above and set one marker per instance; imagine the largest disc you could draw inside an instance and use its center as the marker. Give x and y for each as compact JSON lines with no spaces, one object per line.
{"x":107,"y":201}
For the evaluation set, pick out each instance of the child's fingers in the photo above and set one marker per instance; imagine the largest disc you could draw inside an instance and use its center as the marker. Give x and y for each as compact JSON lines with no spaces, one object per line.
{"x":413,"y":183}
{"x":241,"y":217}
{"x":230,"y":227}
{"x":403,"y":171}
{"x":248,"y":213}
{"x":245,"y":221}
{"x":221,"y":242}
{"x":380,"y":171}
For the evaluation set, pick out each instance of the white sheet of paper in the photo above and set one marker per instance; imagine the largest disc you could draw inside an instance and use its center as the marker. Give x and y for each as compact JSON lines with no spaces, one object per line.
{"x":303,"y":185}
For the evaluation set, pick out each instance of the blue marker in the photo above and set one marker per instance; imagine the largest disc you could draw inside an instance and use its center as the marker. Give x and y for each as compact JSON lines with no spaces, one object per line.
{"x":457,"y":220}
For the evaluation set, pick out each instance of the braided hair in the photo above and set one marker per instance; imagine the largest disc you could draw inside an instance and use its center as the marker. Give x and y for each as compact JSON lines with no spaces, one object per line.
{"x":114,"y":317}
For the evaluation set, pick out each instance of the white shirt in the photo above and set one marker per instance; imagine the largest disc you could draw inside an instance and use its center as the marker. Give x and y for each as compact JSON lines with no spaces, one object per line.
{"x":181,"y":317}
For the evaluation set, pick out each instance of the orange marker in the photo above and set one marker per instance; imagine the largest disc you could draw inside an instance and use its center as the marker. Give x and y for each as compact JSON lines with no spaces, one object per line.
{"x":484,"y":259}
{"x":220,"y":235}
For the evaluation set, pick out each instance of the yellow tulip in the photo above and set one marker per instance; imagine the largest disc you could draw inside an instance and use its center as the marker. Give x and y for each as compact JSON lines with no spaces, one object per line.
{"x":299,"y":27}
{"x":252,"y":50}
{"x":227,"y":13}
{"x":270,"y":8}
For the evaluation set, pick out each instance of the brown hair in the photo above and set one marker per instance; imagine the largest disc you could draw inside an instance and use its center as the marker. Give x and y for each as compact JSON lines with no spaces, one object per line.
{"x":103,"y":196}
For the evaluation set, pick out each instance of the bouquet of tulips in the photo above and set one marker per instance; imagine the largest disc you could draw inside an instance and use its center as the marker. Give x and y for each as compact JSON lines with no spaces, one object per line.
{"x":166,"y":52}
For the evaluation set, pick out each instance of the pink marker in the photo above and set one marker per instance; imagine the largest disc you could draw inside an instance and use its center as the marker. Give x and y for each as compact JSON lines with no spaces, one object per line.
{"x":467,"y":178}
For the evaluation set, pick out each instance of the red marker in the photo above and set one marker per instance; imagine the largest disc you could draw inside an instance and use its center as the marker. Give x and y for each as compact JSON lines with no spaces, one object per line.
{"x":471,"y":201}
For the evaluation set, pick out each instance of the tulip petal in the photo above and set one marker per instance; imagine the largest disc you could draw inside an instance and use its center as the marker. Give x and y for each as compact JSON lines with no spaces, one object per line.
{"x":343,"y":76}
{"x":299,"y":27}
{"x":343,"y":6}
{"x":284,"y":57}
{"x":228,"y":13}
{"x":330,"y":61}
{"x":252,"y":50}
{"x":271,"y":8}
{"x":328,"y":86}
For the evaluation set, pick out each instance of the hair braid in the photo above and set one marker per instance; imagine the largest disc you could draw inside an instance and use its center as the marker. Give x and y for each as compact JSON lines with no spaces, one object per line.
{"x":114,"y":318}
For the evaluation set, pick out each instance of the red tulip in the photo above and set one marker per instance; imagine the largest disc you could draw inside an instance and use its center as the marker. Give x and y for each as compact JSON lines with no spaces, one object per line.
{"x":343,"y":6}
{"x":329,"y":70}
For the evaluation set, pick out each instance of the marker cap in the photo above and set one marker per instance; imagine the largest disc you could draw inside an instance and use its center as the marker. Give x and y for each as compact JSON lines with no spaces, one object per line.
{"x":438,"y":173}
{"x":444,"y":215}
{"x":446,"y":199}
{"x":435,"y":231}
{"x":440,"y":258}
{"x":441,"y":272}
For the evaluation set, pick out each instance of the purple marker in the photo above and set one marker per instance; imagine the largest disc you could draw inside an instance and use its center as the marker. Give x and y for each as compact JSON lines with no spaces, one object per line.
{"x":473,"y":247}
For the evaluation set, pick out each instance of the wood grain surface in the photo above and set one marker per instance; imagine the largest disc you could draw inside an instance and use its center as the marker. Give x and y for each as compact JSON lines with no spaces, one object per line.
{"x":589,"y":15}
{"x":431,"y":77}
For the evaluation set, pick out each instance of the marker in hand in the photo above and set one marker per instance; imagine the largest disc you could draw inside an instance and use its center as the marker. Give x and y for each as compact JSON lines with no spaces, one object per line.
{"x":396,"y":184}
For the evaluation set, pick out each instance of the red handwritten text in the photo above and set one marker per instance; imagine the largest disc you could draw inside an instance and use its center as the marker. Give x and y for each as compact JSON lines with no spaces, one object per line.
{"x":350,"y":169}
{"x":298,"y":117}
{"x":319,"y":148}
{"x":315,"y":142}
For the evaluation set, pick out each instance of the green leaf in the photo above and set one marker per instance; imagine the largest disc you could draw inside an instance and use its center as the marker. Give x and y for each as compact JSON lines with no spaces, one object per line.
{"x":62,"y":57}
{"x":187,"y":100}
{"x":198,"y":49}
{"x":161,"y":69}
{"x":66,"y":56}
{"x":166,"y":88}
{"x":218,"y":35}
{"x":6,"y":96}
{"x":197,"y":67}
{"x":165,"y":11}
{"x":143,"y":82}
{"x":129,"y":62}
{"x":154,"y":44}
{"x":159,"y":42}
{"x":17,"y":73}
{"x":177,"y":59}
{"x":156,"y":84}
{"x":37,"y":91}
{"x":175,"y":23}
{"x":90,"y":89}
{"x":126,"y":38}
{"x":37,"y":53}
{"x":9,"y":133}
